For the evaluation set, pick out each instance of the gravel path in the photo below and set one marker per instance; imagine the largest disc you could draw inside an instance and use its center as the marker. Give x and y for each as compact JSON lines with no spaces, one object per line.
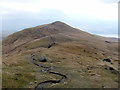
{"x":46,"y":69}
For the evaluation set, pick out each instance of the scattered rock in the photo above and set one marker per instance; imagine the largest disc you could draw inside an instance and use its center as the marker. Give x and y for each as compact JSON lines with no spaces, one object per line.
{"x":107,"y":41}
{"x":50,"y":45}
{"x":96,"y":58}
{"x":95,"y":53}
{"x":103,"y":86}
{"x":18,"y":74}
{"x":35,"y":82}
{"x":58,"y":62}
{"x":86,"y":51}
{"x":64,"y":58}
{"x":16,"y":78}
{"x":103,"y":54}
{"x":92,"y":74}
{"x":111,"y":69}
{"x":107,"y":60}
{"x":31,"y":83}
{"x":88,"y":68}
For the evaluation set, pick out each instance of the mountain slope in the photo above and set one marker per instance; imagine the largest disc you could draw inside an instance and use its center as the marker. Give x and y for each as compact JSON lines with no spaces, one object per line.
{"x":19,"y":38}
{"x":77,"y":54}
{"x":30,"y":34}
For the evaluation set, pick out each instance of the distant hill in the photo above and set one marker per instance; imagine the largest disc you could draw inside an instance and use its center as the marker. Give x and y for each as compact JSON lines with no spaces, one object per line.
{"x":113,"y":39}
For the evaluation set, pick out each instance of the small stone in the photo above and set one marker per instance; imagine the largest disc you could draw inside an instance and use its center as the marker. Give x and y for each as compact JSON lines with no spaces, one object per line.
{"x":35,"y":82}
{"x":107,"y":41}
{"x":103,"y":86}
{"x":92,"y":74}
{"x":31,"y":83}
{"x":64,"y":58}
{"x":16,"y":78}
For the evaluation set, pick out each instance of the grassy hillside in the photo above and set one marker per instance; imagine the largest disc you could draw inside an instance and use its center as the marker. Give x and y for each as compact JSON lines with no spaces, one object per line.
{"x":76,"y":54}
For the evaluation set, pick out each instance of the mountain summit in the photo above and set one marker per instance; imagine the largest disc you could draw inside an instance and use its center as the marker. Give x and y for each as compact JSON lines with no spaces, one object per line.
{"x":56,"y":28}
{"x":57,"y":22}
{"x":40,"y":31}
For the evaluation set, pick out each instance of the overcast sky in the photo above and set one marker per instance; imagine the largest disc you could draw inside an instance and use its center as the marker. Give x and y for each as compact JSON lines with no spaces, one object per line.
{"x":94,"y":16}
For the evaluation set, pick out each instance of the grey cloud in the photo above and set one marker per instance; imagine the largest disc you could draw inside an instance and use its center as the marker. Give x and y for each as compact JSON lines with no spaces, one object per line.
{"x":19,"y":20}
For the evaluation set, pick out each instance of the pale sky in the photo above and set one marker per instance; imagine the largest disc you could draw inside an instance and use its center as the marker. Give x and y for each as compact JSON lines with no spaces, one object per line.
{"x":93,"y":16}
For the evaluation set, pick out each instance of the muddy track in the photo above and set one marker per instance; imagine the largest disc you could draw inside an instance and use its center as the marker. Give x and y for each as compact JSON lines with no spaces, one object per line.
{"x":47,"y":70}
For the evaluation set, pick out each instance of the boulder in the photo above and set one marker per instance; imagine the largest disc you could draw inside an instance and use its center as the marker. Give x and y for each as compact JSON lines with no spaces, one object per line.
{"x":49,"y":46}
{"x":43,"y":59}
{"x":107,"y":60}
